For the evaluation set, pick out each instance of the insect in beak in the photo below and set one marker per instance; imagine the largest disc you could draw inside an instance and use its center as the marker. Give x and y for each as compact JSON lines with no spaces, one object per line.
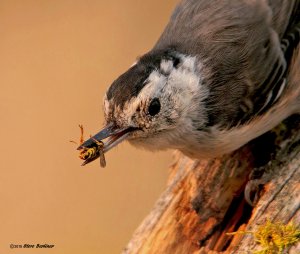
{"x":89,"y":154}
{"x":113,"y":134}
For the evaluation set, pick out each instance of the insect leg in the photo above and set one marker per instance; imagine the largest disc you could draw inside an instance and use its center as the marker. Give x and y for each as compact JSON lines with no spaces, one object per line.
{"x":81,"y":134}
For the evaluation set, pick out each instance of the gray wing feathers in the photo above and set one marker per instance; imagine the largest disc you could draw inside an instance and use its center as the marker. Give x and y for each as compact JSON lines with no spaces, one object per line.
{"x":239,"y":44}
{"x":285,"y":14}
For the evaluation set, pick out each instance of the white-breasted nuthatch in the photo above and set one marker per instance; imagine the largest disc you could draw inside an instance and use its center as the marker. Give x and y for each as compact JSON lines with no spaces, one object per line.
{"x":218,"y":77}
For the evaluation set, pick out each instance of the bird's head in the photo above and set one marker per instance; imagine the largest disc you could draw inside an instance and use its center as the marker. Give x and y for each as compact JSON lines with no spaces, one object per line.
{"x":155,"y":103}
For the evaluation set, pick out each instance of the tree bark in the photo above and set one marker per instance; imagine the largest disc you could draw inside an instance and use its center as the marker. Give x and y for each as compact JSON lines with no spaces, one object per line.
{"x":204,"y":199}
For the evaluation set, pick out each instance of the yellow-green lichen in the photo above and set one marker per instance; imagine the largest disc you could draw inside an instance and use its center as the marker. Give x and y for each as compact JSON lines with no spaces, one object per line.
{"x":274,"y":237}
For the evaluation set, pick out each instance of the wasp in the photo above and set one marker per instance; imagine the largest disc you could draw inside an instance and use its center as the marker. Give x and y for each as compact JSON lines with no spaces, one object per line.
{"x":89,"y":154}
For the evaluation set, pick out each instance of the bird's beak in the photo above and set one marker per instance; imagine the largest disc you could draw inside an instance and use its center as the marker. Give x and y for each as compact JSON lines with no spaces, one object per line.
{"x":113,"y":134}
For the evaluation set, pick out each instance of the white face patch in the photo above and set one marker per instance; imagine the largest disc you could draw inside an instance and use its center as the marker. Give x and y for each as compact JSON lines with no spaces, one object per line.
{"x":166,"y":66}
{"x":178,"y":88}
{"x":181,"y":94}
{"x":187,"y":76}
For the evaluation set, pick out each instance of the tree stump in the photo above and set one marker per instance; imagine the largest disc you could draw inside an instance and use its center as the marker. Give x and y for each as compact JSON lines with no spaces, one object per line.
{"x":204,"y":199}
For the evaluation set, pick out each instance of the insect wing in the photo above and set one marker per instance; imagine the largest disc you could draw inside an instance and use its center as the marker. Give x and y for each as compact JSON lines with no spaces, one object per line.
{"x":102,"y":159}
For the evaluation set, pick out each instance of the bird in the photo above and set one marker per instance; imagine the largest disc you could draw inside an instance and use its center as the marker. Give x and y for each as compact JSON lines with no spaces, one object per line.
{"x":221,"y":74}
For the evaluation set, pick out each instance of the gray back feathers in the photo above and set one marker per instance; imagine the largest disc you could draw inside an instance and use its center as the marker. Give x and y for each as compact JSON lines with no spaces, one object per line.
{"x":239,"y":42}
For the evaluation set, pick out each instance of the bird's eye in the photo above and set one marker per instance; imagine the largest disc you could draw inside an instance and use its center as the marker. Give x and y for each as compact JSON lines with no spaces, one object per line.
{"x":154,"y":107}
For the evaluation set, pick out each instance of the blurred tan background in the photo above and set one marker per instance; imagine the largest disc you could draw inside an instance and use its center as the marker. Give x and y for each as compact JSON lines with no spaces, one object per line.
{"x":56,"y":60}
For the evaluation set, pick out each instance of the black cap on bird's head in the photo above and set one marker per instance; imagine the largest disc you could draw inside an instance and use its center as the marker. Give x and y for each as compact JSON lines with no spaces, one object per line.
{"x":130,"y":83}
{"x":148,"y":99}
